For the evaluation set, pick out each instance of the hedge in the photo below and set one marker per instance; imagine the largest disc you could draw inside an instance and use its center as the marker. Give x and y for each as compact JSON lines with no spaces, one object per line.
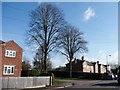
{"x":81,"y":75}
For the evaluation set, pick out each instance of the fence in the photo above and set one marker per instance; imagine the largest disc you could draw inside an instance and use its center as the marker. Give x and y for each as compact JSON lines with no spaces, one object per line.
{"x":0,"y":83}
{"x":25,"y":82}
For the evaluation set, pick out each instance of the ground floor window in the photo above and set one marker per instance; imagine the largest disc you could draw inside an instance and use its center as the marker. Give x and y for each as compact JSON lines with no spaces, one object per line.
{"x":8,"y":69}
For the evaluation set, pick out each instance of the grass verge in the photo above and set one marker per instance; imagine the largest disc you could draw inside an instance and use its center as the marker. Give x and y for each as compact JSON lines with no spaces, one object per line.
{"x":60,"y":81}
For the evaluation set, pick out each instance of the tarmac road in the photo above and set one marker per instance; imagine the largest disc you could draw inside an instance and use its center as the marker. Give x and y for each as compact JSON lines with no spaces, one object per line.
{"x":83,"y":85}
{"x":94,"y":85}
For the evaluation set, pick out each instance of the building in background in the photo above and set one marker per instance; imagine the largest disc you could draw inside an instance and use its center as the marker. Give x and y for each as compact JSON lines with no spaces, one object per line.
{"x":10,"y":59}
{"x":90,"y":67}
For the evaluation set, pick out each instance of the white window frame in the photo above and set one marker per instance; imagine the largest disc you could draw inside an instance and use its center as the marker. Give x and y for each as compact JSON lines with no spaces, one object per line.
{"x":10,"y":53}
{"x":9,"y":69}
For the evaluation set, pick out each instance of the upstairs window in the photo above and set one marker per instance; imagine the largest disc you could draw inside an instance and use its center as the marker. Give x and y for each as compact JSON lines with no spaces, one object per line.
{"x":8,"y":69}
{"x":10,"y":53}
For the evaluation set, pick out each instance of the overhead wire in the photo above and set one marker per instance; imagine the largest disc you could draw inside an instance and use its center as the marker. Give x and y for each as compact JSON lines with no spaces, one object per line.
{"x":15,"y":8}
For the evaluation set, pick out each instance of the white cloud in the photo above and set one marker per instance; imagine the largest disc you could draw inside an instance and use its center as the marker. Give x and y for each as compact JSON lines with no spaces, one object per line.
{"x":39,"y":2}
{"x":88,"y":14}
{"x":101,"y":51}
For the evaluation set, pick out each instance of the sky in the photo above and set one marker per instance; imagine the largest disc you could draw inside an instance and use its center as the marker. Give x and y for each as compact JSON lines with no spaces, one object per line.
{"x":97,"y":20}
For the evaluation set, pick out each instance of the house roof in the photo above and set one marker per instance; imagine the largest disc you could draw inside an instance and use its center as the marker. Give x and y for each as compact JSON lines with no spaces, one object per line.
{"x":1,"y":42}
{"x":89,"y":63}
{"x":81,"y":61}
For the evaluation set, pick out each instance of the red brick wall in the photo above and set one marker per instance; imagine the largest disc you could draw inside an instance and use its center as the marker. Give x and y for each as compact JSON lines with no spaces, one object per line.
{"x":0,"y":61}
{"x":17,"y":61}
{"x":75,"y":66}
{"x":78,"y":66}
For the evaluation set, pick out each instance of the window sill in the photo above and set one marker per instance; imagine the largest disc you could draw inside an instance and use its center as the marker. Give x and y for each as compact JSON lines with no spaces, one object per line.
{"x":8,"y":74}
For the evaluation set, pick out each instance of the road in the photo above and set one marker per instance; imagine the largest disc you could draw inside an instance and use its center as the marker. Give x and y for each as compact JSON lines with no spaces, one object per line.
{"x":85,"y":84}
{"x":81,"y":85}
{"x":94,"y":85}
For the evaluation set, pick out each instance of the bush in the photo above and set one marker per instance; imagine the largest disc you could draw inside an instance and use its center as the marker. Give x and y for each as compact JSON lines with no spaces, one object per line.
{"x":33,"y":72}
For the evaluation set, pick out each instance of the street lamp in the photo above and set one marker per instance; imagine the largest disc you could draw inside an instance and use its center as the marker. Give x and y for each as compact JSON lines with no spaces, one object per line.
{"x":107,"y":57}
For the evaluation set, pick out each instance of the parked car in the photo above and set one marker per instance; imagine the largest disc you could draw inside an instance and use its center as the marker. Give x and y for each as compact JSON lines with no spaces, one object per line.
{"x":110,"y":77}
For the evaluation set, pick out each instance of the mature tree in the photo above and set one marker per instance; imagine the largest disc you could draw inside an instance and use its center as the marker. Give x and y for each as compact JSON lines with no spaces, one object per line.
{"x":71,"y":41}
{"x":45,"y":23}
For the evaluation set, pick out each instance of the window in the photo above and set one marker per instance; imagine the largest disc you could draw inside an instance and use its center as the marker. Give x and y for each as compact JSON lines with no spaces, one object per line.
{"x":10,"y":53}
{"x":8,"y":69}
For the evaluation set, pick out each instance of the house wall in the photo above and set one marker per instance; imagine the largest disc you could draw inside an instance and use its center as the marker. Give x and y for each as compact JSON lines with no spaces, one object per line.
{"x":75,"y":66}
{"x":103,"y":69}
{"x":17,"y":61}
{"x":109,"y":68}
{"x":87,"y":68}
{"x":96,"y":68}
{"x":0,"y":61}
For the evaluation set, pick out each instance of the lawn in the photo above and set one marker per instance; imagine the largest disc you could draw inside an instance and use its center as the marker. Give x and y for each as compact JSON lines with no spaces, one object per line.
{"x":60,"y":81}
{"x":64,"y":80}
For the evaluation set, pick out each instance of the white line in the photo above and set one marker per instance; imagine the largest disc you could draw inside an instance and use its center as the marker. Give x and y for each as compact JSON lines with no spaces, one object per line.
{"x":68,"y":86}
{"x":36,"y":86}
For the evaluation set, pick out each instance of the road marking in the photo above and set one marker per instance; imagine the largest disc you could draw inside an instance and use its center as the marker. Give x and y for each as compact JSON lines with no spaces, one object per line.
{"x":36,"y":86}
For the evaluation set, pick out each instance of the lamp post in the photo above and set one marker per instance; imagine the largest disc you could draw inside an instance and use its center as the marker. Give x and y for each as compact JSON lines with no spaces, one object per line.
{"x":107,"y":58}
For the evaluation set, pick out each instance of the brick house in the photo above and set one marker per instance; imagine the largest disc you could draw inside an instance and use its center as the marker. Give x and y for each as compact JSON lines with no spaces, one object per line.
{"x":81,"y":65}
{"x":86,"y":66}
{"x":10,"y":59}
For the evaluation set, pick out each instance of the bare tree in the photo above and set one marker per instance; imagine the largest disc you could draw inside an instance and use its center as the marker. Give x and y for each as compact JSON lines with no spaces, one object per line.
{"x":45,"y":23}
{"x":39,"y":61}
{"x":71,"y":41}
{"x":25,"y":64}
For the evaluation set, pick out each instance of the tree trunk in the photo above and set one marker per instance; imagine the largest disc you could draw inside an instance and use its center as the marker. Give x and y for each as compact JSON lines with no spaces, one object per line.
{"x":45,"y":67}
{"x":70,"y":68}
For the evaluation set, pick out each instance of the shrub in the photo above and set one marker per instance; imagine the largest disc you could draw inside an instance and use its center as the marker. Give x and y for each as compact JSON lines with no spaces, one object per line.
{"x":33,"y":72}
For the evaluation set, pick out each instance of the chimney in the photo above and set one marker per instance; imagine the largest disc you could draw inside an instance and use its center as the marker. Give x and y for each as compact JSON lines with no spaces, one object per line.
{"x":82,"y":57}
{"x":75,"y":60}
{"x":97,"y":62}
